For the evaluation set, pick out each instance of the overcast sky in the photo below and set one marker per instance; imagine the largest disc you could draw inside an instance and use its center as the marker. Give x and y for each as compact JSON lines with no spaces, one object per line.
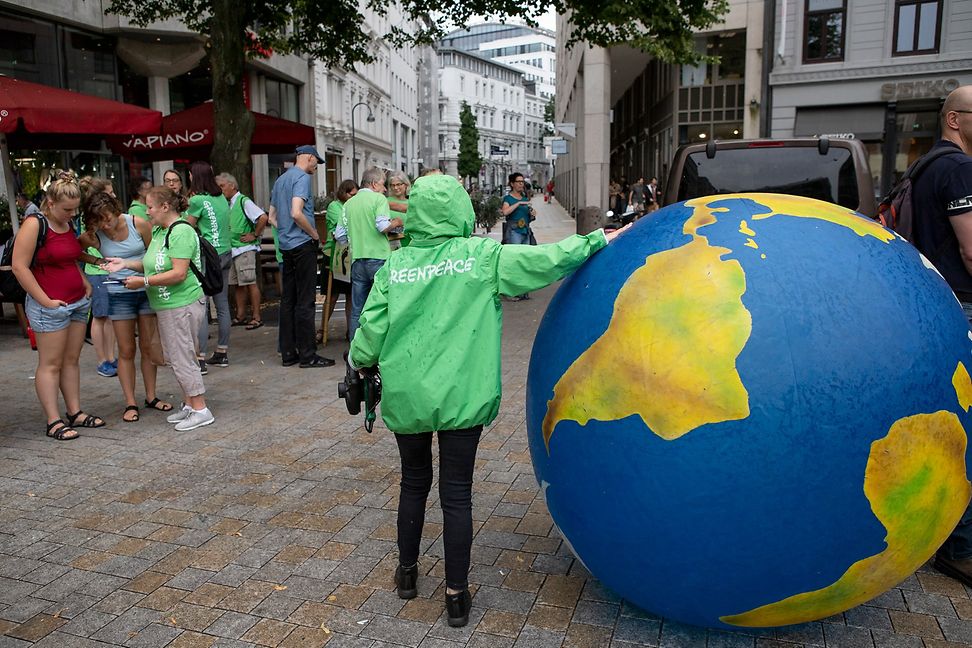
{"x":548,"y":20}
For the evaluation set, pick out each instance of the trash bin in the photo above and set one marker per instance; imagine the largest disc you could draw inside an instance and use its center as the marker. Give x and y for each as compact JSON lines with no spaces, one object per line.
{"x":589,"y":219}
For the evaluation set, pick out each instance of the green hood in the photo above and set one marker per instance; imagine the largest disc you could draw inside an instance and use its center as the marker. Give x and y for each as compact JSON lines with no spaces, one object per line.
{"x":438,"y":207}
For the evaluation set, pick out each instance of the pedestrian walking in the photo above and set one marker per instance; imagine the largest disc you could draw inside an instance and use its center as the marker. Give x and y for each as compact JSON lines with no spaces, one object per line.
{"x":176,"y":296}
{"x":292,"y":209}
{"x":519,"y":214}
{"x":57,"y":305}
{"x":449,"y":284}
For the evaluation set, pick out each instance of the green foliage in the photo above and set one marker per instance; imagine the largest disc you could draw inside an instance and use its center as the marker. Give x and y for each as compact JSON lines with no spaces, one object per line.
{"x":549,"y":117}
{"x":6,"y":229}
{"x":469,"y":158}
{"x":486,"y":208}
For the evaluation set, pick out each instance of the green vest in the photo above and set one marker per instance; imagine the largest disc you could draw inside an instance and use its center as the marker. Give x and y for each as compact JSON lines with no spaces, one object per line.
{"x":366,"y":242}
{"x":240,"y":224}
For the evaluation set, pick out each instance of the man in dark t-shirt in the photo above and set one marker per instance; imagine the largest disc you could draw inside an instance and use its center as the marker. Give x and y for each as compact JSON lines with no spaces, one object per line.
{"x":942,"y":200}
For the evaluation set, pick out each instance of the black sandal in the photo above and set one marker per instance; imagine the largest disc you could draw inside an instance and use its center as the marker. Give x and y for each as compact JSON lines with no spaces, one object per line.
{"x":61,"y":433}
{"x":154,"y":404}
{"x":254,"y":325}
{"x":130,"y":408}
{"x":238,"y":322}
{"x":88,"y":421}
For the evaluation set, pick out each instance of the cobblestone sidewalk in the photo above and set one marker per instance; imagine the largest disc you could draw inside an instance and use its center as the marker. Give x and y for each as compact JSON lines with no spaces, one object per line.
{"x":276,"y":527}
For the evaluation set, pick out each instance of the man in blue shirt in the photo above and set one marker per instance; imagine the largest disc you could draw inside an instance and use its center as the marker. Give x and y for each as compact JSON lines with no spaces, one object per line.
{"x":292,"y":209}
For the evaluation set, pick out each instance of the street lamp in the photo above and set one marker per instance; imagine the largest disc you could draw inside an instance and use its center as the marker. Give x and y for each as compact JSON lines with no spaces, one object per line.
{"x":354,"y":153}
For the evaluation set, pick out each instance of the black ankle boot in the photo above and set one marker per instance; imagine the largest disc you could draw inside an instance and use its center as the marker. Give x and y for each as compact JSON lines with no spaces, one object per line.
{"x":458,"y":606}
{"x":406,"y":579}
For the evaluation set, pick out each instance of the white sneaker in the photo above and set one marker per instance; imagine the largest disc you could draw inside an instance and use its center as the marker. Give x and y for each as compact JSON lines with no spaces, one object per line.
{"x":179,"y":415}
{"x":195,"y":419}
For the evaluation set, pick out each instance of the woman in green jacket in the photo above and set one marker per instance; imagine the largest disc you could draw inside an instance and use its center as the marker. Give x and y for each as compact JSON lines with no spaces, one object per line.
{"x":433,"y":322}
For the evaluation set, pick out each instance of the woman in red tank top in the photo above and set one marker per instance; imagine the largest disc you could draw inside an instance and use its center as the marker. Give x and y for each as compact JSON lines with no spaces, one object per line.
{"x":58,"y":300}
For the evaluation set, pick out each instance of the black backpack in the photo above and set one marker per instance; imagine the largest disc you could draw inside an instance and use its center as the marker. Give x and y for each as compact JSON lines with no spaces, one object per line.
{"x":10,"y":288}
{"x":896,"y":211}
{"x":211,"y":276}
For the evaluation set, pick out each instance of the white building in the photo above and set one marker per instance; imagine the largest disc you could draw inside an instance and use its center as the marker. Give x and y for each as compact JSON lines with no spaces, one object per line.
{"x":369,"y":116}
{"x":532,"y":51}
{"x":497,"y":97}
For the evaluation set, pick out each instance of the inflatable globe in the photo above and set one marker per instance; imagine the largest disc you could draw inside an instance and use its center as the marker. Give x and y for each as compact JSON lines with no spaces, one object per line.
{"x":751,"y":411}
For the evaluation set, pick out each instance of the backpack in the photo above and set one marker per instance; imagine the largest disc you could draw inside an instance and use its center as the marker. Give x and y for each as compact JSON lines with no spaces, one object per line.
{"x":896,"y":211}
{"x":10,"y":288}
{"x":211,"y":276}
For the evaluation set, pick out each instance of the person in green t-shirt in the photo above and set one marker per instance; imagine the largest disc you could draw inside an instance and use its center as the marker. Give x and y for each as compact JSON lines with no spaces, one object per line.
{"x":398,"y":186}
{"x":141,"y":185}
{"x":366,"y":221}
{"x":209,"y":212}
{"x":339,"y":265}
{"x":176,"y":295}
{"x":247,"y":220}
{"x":102,"y":333}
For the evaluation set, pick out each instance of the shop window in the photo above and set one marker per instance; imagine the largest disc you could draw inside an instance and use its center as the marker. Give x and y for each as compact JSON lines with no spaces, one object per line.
{"x":282,"y":100}
{"x":917,"y":26}
{"x":824,"y":31}
{"x":90,"y":64}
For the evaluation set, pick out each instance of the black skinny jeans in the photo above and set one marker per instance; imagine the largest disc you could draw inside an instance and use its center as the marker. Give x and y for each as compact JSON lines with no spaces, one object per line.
{"x":299,"y":280}
{"x":457,"y":458}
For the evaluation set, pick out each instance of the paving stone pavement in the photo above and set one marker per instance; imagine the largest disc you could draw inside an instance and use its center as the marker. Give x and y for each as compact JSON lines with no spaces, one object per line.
{"x":276,"y":527}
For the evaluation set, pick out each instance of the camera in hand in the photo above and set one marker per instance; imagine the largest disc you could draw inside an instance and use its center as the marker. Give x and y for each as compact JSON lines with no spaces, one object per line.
{"x":356,"y":390}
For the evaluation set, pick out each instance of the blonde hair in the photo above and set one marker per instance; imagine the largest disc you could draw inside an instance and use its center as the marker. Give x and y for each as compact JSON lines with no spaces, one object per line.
{"x":176,"y":201}
{"x":64,"y":186}
{"x":91,"y":185}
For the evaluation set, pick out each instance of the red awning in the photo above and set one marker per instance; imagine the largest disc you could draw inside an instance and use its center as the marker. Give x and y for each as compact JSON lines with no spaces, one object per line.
{"x":188,"y":135}
{"x":30,"y":109}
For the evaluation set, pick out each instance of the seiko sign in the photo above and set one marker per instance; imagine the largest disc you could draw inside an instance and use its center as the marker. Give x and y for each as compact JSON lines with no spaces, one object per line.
{"x":935,"y":88}
{"x":151,"y":142}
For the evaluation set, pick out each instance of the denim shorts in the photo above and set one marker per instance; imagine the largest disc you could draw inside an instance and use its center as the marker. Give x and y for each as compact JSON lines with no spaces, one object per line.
{"x":49,"y":320}
{"x":128,"y":305}
{"x":99,"y":295}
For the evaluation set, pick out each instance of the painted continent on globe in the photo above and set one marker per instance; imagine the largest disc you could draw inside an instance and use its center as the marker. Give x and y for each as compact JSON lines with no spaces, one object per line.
{"x":751,"y":410}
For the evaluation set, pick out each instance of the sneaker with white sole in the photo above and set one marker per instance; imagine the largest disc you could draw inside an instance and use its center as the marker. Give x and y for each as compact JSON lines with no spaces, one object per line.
{"x":196,"y":418}
{"x":179,"y":415}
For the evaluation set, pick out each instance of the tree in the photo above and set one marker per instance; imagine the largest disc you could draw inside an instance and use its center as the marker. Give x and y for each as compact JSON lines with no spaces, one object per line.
{"x":469,"y":159}
{"x":548,"y":119}
{"x":333,"y":32}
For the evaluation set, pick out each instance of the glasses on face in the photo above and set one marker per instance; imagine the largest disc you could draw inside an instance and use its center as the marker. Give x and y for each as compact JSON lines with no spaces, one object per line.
{"x":397,"y":184}
{"x":961,"y":111}
{"x":518,"y":181}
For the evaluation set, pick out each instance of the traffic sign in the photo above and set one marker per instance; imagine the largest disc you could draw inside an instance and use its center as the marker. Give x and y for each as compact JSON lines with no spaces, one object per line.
{"x":498,"y":150}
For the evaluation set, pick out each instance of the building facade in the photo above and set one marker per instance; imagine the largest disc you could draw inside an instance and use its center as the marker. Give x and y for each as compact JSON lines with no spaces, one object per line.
{"x":531,"y":51}
{"x":73,"y":45}
{"x":497,"y":97}
{"x":874,"y":70}
{"x":629,"y":113}
{"x":369,"y":116}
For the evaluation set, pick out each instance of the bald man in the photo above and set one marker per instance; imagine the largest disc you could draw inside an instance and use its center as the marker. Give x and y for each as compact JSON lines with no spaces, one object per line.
{"x":942,"y":196}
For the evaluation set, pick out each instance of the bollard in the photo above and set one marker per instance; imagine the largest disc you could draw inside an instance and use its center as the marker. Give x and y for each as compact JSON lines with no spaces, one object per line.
{"x":589,"y":219}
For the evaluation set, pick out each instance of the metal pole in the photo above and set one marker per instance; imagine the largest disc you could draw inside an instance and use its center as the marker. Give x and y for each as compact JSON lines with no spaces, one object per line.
{"x":354,"y":154}
{"x":8,"y":182}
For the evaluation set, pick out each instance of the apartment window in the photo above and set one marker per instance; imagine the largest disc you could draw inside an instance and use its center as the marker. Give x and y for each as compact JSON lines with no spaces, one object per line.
{"x":917,"y":26}
{"x":824,"y":31}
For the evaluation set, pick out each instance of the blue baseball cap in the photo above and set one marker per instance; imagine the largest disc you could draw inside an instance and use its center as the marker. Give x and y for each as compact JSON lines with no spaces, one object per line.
{"x":310,"y":150}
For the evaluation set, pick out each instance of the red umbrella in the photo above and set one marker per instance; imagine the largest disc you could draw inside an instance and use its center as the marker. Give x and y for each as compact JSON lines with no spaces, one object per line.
{"x":40,"y":116}
{"x":188,"y":134}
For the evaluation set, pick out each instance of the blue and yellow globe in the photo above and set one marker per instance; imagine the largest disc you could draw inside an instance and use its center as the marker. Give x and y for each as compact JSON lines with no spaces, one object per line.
{"x":751,"y":411}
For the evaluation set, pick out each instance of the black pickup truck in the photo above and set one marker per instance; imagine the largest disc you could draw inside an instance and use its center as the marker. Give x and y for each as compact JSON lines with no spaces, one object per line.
{"x":834,"y":170}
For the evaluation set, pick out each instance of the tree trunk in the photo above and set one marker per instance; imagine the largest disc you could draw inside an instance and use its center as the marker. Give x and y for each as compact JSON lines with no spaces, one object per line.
{"x":232,"y":120}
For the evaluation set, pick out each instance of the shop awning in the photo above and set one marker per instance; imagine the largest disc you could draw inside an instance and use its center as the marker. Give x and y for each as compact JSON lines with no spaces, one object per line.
{"x":188,"y":135}
{"x":855,"y":122}
{"x":40,"y":116}
{"x":32,"y":109}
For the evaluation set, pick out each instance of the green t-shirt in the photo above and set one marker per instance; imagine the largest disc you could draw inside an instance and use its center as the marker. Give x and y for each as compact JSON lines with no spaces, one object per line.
{"x":359,"y":213}
{"x":334,"y":210}
{"x":276,"y":246}
{"x":183,"y":244}
{"x":240,"y":223}
{"x":90,"y":269}
{"x":138,"y":209}
{"x":212,"y":219}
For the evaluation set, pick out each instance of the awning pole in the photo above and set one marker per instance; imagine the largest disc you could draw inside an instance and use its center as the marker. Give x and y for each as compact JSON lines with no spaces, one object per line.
{"x":10,"y":188}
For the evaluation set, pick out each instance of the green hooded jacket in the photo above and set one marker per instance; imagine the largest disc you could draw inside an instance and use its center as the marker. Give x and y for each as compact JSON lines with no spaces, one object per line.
{"x":433,"y":319}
